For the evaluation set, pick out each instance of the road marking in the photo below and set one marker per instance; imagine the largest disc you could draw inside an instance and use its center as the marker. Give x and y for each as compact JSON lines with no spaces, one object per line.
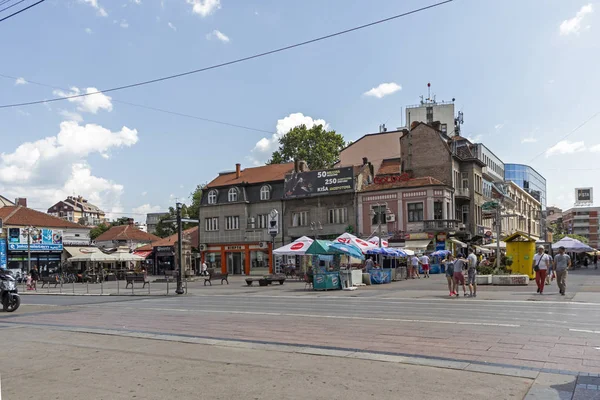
{"x":332,"y":317}
{"x":584,"y":330}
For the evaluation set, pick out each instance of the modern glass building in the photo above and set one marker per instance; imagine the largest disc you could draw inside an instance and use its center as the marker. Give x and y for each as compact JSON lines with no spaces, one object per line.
{"x":528,"y":179}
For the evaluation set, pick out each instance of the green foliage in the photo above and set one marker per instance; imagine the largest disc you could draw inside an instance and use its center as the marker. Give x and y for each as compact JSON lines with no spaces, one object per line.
{"x":166,"y":229}
{"x":194,"y":209}
{"x":582,"y":239}
{"x":507,"y":261}
{"x":318,"y":147}
{"x":120,"y":221}
{"x":557,"y":227}
{"x":350,"y":229}
{"x":98,"y":230}
{"x":485,"y":269}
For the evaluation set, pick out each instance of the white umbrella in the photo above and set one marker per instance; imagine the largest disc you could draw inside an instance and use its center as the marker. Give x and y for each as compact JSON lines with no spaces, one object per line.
{"x":494,"y":245}
{"x":572,"y":245}
{"x":362,"y":245}
{"x":297,"y":248}
{"x":375,"y":240}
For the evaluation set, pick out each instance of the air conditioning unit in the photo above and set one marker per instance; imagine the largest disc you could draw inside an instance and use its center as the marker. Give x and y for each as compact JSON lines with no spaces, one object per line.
{"x":203,"y":247}
{"x":263,"y":245}
{"x":390,"y":218}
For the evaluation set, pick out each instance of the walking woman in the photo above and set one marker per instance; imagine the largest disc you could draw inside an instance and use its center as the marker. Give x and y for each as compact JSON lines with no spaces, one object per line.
{"x":449,"y":262}
{"x":541,"y":264}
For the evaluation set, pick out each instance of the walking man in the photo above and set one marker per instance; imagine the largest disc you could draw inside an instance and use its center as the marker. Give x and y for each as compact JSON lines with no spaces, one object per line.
{"x":458,"y":276}
{"x":472,"y":273}
{"x":424,"y":261}
{"x":369,"y":265}
{"x":414,"y":271}
{"x":562,"y":262}
{"x":541,"y":264}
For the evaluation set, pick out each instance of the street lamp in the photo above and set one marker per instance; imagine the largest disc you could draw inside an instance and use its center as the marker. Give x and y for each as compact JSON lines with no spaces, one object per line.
{"x":179,"y":219}
{"x":379,"y":222}
{"x":30,"y":231}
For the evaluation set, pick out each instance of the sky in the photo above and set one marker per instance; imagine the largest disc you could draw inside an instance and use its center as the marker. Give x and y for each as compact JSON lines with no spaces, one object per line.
{"x":523,"y":72}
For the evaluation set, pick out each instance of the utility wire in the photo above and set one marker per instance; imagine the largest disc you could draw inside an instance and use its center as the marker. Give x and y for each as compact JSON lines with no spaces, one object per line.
{"x":11,"y":6}
{"x":237,"y":61}
{"x":154,"y":108}
{"x":21,"y":10}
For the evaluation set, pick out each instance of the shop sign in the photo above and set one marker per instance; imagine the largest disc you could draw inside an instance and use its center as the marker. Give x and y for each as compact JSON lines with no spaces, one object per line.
{"x":488,"y":234}
{"x":164,"y":249}
{"x":43,"y":240}
{"x":441,"y":237}
{"x":313,"y":183}
{"x":418,"y":236}
{"x":391,"y":178}
{"x":234,"y":248}
{"x":3,"y":253}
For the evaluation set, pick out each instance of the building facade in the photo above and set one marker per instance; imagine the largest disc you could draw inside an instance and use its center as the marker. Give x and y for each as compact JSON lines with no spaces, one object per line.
{"x":375,"y":147}
{"x":583,"y":221}
{"x":234,"y":218}
{"x":78,"y":210}
{"x":524,"y":213}
{"x":528,"y":179}
{"x":152,"y":220}
{"x":125,"y":236}
{"x":430,"y":111}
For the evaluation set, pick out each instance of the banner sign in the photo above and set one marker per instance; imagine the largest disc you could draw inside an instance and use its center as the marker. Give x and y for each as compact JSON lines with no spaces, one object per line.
{"x":314,"y":183}
{"x":3,"y":253}
{"x":43,"y":240}
{"x":584,"y":195}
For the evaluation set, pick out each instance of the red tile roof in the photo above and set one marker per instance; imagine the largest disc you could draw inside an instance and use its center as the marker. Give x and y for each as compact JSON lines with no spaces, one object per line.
{"x":266,"y":173}
{"x":126,"y":232}
{"x":23,"y":216}
{"x":171,"y":240}
{"x":411,"y":183}
{"x":389,"y":167}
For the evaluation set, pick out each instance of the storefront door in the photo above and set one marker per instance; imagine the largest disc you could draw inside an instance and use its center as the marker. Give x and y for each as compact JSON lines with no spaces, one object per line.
{"x":235,"y":263}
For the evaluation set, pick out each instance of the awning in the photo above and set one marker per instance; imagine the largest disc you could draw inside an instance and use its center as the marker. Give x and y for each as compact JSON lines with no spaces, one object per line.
{"x":417,"y":244}
{"x":458,"y":242}
{"x":143,"y":253}
{"x":483,"y":250}
{"x":80,"y":251}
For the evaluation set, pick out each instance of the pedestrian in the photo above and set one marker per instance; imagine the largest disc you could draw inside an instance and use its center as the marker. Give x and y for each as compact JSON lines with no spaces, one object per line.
{"x":458,"y":276}
{"x":449,"y":262}
{"x":424,"y":261}
{"x":550,"y":274}
{"x":369,"y":264}
{"x":562,"y":263}
{"x":35,"y":276}
{"x":414,"y":270}
{"x":472,"y":273}
{"x":28,"y":278}
{"x":595,"y":260}
{"x":204,"y":269}
{"x":541,"y":264}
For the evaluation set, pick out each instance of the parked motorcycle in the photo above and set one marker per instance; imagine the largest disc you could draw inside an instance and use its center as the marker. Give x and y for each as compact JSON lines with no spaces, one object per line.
{"x":9,"y":294}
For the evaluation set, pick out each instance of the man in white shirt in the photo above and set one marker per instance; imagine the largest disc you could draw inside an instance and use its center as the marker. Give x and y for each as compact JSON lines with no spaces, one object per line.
{"x":424,"y":261}
{"x":204,"y":270}
{"x":541,"y":263}
{"x":414,"y":267}
{"x":472,"y":273}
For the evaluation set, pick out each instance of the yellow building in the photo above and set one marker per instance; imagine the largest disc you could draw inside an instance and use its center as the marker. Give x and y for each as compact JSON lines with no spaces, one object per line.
{"x":521,"y":248}
{"x":78,"y":210}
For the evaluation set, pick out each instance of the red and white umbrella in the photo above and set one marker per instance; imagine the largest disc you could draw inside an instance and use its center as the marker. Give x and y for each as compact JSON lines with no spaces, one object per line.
{"x":297,"y":248}
{"x":350,"y":239}
{"x":375,"y":241}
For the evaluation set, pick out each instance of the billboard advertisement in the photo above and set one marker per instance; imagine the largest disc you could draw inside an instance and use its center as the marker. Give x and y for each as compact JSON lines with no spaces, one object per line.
{"x":44,"y":240}
{"x":3,"y":256}
{"x":314,"y":183}
{"x":584,"y":195}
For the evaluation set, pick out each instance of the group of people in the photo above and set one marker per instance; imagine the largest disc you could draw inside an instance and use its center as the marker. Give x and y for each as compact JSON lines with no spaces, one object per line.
{"x":547,"y":269}
{"x":413,"y":267}
{"x":32,"y":277}
{"x":455,"y":267}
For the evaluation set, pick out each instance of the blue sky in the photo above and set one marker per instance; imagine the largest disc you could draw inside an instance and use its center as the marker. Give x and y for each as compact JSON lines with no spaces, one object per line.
{"x":523,"y":72}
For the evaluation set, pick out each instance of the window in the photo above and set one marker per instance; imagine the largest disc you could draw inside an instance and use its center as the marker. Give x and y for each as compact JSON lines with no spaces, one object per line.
{"x":232,"y":195}
{"x":444,"y":128}
{"x":465,"y":180}
{"x":465,"y":214}
{"x":429,"y":112}
{"x":265,"y":193}
{"x":415,"y":212}
{"x":300,"y":218}
{"x":379,"y":214}
{"x":232,"y":223}
{"x":212,"y":197}
{"x":262,"y":221}
{"x":211,"y":224}
{"x":437,"y":210}
{"x":338,"y":216}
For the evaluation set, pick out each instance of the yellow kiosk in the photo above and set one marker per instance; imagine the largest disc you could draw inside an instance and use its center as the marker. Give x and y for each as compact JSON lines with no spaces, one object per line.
{"x":521,"y":248}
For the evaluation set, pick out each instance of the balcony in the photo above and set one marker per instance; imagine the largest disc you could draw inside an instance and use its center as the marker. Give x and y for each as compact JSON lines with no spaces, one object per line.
{"x":441,"y":225}
{"x":462,"y":192}
{"x":584,"y":216}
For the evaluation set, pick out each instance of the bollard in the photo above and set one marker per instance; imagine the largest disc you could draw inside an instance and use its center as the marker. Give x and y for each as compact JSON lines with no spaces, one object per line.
{"x":118,"y":290}
{"x":102,"y":286}
{"x":61,"y":283}
{"x":87,"y":287}
{"x":73,"y":287}
{"x":132,"y":283}
{"x":148,"y":286}
{"x":186,"y":283}
{"x":167,"y":286}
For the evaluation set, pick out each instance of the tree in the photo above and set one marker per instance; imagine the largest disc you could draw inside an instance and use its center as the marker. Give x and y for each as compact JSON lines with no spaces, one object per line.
{"x":582,"y":239}
{"x":166,"y":229}
{"x":99,"y":230}
{"x":194,"y":209}
{"x":318,"y":147}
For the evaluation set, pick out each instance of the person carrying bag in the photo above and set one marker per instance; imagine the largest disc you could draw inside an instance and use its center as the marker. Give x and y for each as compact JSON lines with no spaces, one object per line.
{"x":541,"y":262}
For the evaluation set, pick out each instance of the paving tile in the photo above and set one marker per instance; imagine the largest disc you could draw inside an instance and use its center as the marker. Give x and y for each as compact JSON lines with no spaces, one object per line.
{"x":588,"y":380}
{"x":585,"y":394}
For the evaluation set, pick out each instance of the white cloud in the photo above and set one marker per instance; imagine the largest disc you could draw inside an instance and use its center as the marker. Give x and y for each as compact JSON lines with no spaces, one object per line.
{"x":49,"y":169}
{"x":219,"y":35}
{"x":144,"y":193}
{"x":141,"y":211}
{"x":138,"y":2}
{"x":573,"y":25}
{"x":595,"y":148}
{"x":204,"y":7}
{"x":172,"y":26}
{"x":88,"y":31}
{"x":565,"y":147}
{"x":498,"y":126}
{"x":21,"y":81}
{"x":91,"y":103}
{"x":383,"y":90}
{"x":551,"y":82}
{"x":529,"y":140}
{"x":23,"y":112}
{"x":124,"y":24}
{"x":71,"y":116}
{"x":266,"y":146}
{"x":474,"y":139}
{"x":99,"y":10}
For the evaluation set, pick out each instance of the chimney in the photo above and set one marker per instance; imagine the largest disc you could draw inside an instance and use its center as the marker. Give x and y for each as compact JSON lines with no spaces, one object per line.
{"x":365,"y":160}
{"x":296,"y":165}
{"x":303,"y":166}
{"x":130,"y":221}
{"x":414,"y":125}
{"x":238,"y":167}
{"x":21,"y":201}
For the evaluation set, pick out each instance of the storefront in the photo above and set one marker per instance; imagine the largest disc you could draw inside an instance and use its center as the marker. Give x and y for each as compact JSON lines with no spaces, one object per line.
{"x":45,"y":247}
{"x":164,"y":259}
{"x":239,"y":259}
